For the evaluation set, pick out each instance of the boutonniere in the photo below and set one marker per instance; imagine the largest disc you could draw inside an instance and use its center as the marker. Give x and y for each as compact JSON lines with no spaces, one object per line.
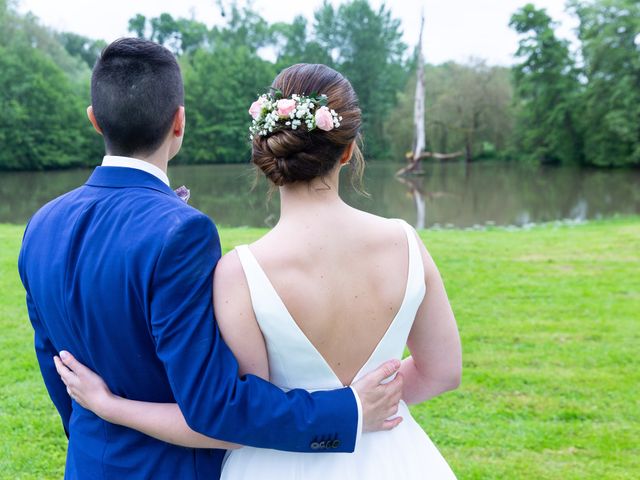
{"x":183,"y":193}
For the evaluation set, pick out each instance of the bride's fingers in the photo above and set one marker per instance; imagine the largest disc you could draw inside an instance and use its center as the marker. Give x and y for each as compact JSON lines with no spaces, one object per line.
{"x":66,"y":375}
{"x":73,"y":364}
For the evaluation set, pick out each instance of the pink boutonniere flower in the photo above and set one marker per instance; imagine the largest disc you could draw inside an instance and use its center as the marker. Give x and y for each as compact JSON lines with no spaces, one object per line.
{"x":183,"y":193}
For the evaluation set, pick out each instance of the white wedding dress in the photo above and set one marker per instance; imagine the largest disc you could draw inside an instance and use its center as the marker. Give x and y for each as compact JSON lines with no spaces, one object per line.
{"x":405,"y":453}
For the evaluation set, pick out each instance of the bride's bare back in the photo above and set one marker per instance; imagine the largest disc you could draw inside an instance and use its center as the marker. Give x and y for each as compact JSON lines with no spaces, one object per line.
{"x":342,"y":275}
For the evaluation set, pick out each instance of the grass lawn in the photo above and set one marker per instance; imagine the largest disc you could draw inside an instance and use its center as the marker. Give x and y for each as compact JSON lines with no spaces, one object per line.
{"x":550,"y":324}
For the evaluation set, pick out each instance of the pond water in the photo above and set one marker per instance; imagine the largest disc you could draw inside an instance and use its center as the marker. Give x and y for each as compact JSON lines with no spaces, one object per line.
{"x":447,"y":195}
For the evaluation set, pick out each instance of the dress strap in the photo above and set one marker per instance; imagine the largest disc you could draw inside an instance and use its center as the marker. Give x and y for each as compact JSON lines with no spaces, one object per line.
{"x":260,"y":287}
{"x":416,"y":266}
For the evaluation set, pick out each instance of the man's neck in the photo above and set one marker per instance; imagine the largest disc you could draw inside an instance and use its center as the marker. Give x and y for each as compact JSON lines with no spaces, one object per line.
{"x":160,"y":161}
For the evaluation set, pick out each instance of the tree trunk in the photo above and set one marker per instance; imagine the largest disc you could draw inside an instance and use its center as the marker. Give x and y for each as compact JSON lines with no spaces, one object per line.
{"x":419,"y":143}
{"x":420,"y":138}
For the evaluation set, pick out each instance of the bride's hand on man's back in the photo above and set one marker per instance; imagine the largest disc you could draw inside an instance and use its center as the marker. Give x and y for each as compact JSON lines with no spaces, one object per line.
{"x":83,"y":385}
{"x":380,"y":400}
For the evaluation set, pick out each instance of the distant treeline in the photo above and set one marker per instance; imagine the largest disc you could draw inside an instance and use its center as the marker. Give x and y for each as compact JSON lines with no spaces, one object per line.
{"x":558,"y":105}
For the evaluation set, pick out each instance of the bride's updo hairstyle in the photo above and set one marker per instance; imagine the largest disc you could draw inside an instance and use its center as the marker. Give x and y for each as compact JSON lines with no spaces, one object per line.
{"x":287,"y":156}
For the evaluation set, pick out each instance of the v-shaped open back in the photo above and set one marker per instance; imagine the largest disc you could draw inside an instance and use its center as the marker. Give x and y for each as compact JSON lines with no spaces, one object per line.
{"x":294,"y":361}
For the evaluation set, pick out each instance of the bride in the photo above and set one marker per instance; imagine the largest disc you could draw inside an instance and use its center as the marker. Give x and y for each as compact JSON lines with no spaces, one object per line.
{"x":324,"y":297}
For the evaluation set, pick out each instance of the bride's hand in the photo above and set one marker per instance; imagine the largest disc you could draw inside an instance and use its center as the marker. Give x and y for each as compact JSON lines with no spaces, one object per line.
{"x":83,"y":385}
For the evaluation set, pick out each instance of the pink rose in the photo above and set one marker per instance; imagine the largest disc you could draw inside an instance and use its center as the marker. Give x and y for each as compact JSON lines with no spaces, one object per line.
{"x":285,"y":106}
{"x":324,"y":119}
{"x":256,"y":108}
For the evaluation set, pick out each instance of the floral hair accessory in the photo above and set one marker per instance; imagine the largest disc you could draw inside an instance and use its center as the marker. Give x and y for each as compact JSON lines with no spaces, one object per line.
{"x":271,"y":112}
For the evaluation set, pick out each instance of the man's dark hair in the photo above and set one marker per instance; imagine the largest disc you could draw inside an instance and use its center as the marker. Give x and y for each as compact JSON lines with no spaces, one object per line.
{"x":136,"y":89}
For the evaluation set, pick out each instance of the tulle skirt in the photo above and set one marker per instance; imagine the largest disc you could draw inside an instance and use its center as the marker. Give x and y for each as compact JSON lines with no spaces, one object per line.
{"x":405,"y":453}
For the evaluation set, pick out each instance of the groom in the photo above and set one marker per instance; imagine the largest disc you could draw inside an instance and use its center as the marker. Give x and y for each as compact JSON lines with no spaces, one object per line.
{"x":119,"y":272}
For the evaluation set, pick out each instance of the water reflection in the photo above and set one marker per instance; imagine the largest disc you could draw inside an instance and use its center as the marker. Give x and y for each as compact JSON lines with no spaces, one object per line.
{"x":448,"y":194}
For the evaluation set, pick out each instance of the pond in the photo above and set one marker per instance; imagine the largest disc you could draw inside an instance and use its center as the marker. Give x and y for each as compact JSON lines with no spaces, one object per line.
{"x":448,"y":195}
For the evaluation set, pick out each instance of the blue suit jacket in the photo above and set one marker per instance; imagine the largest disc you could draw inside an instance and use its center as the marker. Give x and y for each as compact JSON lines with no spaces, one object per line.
{"x":119,"y":272}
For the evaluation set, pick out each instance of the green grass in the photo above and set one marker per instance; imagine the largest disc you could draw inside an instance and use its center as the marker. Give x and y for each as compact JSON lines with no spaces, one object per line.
{"x":550,"y":325}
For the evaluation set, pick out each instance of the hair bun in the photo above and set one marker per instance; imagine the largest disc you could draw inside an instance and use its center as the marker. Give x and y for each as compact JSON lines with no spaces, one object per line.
{"x":298,"y":155}
{"x":282,"y":158}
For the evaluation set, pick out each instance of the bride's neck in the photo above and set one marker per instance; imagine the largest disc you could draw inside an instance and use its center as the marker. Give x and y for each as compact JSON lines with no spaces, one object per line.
{"x":312,"y":198}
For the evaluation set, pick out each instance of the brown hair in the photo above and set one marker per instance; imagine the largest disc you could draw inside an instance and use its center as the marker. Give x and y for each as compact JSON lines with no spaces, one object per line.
{"x":289,"y":156}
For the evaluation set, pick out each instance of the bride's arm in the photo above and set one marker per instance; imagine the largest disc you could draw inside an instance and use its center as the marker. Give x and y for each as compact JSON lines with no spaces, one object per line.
{"x":163,"y":421}
{"x":236,"y":319}
{"x":435,"y":364}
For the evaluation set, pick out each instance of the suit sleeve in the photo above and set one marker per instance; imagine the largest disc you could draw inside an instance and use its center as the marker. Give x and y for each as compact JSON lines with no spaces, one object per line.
{"x":203,"y":372}
{"x":44,"y":353}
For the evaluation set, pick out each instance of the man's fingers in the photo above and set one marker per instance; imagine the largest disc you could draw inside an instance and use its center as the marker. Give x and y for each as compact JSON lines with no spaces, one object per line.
{"x":385,"y":371}
{"x":391,"y":424}
{"x":395,"y":386}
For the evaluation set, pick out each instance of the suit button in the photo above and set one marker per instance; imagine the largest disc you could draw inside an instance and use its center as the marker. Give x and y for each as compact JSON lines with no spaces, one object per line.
{"x":322,"y":445}
{"x":335,"y":444}
{"x":315,"y":446}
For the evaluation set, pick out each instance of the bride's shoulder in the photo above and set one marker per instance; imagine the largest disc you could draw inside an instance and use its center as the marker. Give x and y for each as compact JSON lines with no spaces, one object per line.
{"x":383,"y":232}
{"x":384,"y":228}
{"x":230,"y":287}
{"x":229,"y":272}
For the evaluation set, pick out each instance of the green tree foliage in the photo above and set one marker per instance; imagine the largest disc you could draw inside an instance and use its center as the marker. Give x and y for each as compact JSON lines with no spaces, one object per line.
{"x":40,"y":126}
{"x":225,"y":72}
{"x":86,"y":49}
{"x":179,"y":35}
{"x":610,"y":37}
{"x":222,"y":78}
{"x":42,"y":99}
{"x":217,"y":105}
{"x":547,"y":88}
{"x":295,"y":43}
{"x":468,"y":108}
{"x":366,"y":47}
{"x":559,"y":105}
{"x":585,"y":111}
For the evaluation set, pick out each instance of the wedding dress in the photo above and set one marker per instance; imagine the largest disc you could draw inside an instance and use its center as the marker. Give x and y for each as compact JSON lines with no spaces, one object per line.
{"x":404,"y":453}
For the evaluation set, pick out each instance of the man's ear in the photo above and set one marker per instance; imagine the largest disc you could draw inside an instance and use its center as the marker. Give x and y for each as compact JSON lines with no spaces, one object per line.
{"x":92,"y":119}
{"x":348,"y":153}
{"x":179,"y":122}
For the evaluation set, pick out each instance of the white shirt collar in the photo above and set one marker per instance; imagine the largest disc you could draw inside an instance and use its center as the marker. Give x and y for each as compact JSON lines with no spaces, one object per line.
{"x":128,"y":162}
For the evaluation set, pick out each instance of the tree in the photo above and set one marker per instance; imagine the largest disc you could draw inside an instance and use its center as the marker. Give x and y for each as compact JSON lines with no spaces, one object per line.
{"x":86,"y":49}
{"x":138,"y":26}
{"x":468,"y":108}
{"x":42,"y":125}
{"x":220,"y":84}
{"x":296,"y":44}
{"x":366,"y":47}
{"x":548,"y":91}
{"x":181,"y":36}
{"x":43,"y":96}
{"x":609,"y":32}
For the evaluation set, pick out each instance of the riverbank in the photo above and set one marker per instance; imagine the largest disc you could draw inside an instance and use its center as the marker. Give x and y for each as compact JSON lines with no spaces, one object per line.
{"x":550,"y":329}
